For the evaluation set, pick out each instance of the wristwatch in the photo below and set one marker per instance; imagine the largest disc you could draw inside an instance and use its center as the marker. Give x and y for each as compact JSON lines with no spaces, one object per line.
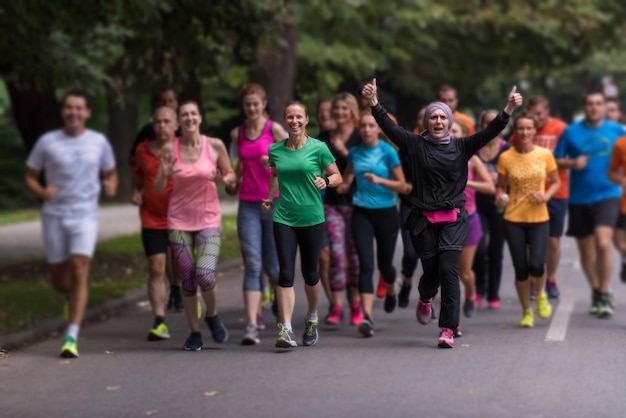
{"x":327,"y":180}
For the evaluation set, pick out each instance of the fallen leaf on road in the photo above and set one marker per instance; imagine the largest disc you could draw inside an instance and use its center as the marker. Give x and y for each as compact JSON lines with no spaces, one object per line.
{"x":569,"y":292}
{"x":470,"y":392}
{"x":151,"y":412}
{"x":504,"y":326}
{"x":549,"y":338}
{"x":4,"y":354}
{"x":114,"y":387}
{"x":108,"y":352}
{"x":212,"y":393}
{"x":64,"y":362}
{"x":465,"y":345}
{"x":129,"y":271}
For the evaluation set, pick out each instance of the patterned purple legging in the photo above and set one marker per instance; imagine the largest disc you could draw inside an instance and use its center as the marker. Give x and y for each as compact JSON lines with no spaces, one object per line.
{"x":339,"y":229}
{"x":201,"y":272}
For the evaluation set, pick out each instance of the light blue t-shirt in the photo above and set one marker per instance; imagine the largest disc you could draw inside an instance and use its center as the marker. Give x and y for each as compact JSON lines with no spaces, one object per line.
{"x":590,"y":184}
{"x":73,"y":166}
{"x":378,"y":160}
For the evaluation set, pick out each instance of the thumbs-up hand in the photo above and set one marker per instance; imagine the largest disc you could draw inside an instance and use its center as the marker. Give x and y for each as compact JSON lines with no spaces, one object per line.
{"x":515,"y":100}
{"x":319,"y":182}
{"x":370,"y":92}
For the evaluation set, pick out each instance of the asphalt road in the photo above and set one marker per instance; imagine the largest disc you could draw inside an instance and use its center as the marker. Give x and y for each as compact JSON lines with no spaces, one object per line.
{"x":568,"y":366}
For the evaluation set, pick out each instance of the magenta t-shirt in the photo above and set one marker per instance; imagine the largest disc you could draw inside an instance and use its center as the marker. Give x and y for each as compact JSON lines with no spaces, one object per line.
{"x":194,"y":203}
{"x":255,"y":177}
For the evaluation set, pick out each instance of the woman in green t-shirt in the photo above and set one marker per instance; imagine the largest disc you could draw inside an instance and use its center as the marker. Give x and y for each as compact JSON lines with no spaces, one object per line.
{"x":301,"y":167}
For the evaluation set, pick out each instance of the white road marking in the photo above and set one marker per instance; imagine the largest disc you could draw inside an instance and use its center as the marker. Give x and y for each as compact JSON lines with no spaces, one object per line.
{"x":560,"y":319}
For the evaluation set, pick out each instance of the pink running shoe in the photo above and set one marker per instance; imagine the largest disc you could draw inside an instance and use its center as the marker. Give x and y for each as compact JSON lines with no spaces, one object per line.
{"x":356,"y":313}
{"x":423,"y":311}
{"x":446,"y":338}
{"x":493,"y":304}
{"x":335,"y":315}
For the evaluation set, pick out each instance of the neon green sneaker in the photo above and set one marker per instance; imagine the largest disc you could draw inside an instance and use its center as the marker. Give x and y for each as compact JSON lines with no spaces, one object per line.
{"x":69,"y":349}
{"x":528,"y":319}
{"x":544,"y":309}
{"x":159,"y":333}
{"x":265,"y":297}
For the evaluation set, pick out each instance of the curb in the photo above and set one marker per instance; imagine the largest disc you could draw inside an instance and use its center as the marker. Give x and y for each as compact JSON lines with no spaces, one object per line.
{"x":53,"y":326}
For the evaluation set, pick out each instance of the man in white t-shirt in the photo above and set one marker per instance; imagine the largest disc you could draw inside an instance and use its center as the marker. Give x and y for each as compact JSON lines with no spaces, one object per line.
{"x":72,"y":159}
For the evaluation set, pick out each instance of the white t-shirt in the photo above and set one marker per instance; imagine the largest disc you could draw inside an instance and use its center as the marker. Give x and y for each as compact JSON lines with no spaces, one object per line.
{"x":72,"y":165}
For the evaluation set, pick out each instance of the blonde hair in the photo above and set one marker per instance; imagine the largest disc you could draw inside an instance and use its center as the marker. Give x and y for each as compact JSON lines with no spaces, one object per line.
{"x":352,"y":103}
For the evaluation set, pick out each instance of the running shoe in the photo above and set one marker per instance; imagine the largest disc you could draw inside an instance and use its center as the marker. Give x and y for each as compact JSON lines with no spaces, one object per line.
{"x":595,"y":302}
{"x":493,"y":304}
{"x":551,"y":289}
{"x":469,"y":307}
{"x":194,"y":342}
{"x":356,"y":313}
{"x":366,"y":328}
{"x":218,"y":330}
{"x":251,"y":336}
{"x":335,"y":315}
{"x":446,"y":338}
{"x":159,"y":333}
{"x":285,"y":338}
{"x":528,"y":319}
{"x":390,"y":303}
{"x":622,"y":273}
{"x":310,"y":332}
{"x":457,"y":332}
{"x":381,"y":290}
{"x":403,"y":296}
{"x":260,"y":322}
{"x":605,"y":309}
{"x":544,"y":309}
{"x":69,"y":348}
{"x":423,"y":312}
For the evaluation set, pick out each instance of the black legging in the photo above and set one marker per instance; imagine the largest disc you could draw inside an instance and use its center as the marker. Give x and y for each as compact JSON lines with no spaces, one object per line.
{"x":409,"y":256}
{"x":528,"y":243}
{"x":309,"y":239}
{"x":487,"y":264}
{"x":382,"y":225}
{"x":443,"y":269}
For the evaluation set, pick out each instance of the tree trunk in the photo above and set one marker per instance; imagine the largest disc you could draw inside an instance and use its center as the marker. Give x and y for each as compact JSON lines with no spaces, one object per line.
{"x":35,"y":112}
{"x":123,"y":112}
{"x":276,"y":69}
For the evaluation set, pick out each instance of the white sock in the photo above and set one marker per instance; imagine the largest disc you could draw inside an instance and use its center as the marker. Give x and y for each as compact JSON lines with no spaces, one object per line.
{"x":288,"y":326}
{"x":72,"y":331}
{"x":312,"y":316}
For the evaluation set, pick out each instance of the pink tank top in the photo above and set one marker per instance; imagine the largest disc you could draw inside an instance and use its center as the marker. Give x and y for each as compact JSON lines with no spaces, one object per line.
{"x":256,"y":178}
{"x":470,"y":194}
{"x":194,"y":204}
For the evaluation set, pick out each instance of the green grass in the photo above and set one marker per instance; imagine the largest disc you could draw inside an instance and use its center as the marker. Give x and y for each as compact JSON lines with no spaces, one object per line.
{"x":118,"y":267}
{"x":8,"y":217}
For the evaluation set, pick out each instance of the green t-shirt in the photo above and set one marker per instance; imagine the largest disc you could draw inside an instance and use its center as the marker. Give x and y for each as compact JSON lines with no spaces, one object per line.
{"x":299,"y":202}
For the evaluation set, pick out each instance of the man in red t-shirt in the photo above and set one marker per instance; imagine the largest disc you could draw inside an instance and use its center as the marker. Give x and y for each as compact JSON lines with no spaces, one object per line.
{"x":549,"y":132}
{"x":447,"y":95}
{"x":153,"y":213}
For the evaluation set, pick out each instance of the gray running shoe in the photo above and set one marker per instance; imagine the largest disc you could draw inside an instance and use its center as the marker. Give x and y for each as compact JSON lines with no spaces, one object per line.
{"x":251,"y":337}
{"x":285,"y":338}
{"x":366,"y":328}
{"x":604,"y":306}
{"x":310,"y":332}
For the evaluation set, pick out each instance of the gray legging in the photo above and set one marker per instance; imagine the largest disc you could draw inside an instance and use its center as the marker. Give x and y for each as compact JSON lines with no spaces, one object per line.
{"x":528,"y":244}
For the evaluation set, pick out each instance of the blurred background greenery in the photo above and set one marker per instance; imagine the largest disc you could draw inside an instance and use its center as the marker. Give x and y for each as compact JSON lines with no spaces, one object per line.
{"x":123,"y":51}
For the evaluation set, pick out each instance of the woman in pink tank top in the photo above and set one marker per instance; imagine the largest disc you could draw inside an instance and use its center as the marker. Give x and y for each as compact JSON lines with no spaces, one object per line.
{"x":195,"y":163}
{"x":251,"y":141}
{"x":478,"y":179}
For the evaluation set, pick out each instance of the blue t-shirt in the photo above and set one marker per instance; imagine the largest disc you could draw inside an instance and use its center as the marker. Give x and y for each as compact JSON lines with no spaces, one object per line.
{"x":590,"y":184}
{"x":378,"y":160}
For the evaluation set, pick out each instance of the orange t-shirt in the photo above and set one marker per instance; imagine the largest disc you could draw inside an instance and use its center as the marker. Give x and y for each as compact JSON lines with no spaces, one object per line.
{"x":153,"y":209}
{"x":548,"y":137}
{"x":618,"y":161}
{"x":462,"y":117}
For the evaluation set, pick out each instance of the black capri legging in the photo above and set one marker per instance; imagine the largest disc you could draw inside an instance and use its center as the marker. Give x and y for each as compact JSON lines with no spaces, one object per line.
{"x":382,"y":225}
{"x":528,"y":244}
{"x":309,"y":239}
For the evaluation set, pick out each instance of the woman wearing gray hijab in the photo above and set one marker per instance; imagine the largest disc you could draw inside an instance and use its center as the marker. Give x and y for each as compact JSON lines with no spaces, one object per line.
{"x":438,"y":221}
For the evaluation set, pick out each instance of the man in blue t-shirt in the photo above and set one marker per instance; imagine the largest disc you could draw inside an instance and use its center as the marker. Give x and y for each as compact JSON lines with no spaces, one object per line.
{"x":585,"y":148}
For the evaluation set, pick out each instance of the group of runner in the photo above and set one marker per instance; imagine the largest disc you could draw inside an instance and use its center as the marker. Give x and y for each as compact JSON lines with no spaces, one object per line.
{"x":462,"y":195}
